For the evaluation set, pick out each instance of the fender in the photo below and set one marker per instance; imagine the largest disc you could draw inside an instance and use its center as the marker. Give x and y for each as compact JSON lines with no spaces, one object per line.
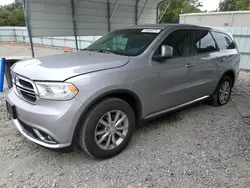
{"x":112,"y":93}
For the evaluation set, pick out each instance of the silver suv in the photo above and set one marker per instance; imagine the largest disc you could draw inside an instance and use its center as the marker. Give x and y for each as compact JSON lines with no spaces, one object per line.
{"x":96,"y":97}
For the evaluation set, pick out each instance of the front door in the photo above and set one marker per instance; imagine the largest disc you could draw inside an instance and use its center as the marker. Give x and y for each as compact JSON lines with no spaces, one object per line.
{"x":173,"y":77}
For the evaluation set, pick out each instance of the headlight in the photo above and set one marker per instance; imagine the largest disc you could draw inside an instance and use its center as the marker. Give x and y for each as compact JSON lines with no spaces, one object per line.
{"x":56,"y":91}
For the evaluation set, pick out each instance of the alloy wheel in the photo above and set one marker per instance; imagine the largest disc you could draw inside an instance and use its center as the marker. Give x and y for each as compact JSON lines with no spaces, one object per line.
{"x":224,"y":92}
{"x":111,"y":129}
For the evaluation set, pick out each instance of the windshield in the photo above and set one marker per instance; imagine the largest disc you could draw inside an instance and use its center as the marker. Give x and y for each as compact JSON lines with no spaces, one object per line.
{"x":128,"y":42}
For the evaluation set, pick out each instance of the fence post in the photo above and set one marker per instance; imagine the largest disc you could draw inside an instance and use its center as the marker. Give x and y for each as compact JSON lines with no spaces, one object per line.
{"x":2,"y":70}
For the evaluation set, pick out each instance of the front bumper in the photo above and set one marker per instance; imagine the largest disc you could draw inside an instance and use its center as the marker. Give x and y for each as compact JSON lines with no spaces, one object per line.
{"x":28,"y":135}
{"x":57,"y":119}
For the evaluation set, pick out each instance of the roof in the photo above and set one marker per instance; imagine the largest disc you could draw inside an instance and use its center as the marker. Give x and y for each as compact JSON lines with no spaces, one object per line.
{"x":218,"y":29}
{"x":155,"y":26}
{"x":164,"y":26}
{"x":222,"y":31}
{"x":216,"y":13}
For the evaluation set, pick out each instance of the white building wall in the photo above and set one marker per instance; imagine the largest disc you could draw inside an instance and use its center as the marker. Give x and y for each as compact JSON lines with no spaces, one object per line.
{"x":218,"y":19}
{"x":238,"y":23}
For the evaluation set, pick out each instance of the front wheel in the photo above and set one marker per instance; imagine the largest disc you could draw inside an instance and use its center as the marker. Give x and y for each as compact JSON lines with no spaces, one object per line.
{"x":223,"y":92}
{"x":107,"y":128}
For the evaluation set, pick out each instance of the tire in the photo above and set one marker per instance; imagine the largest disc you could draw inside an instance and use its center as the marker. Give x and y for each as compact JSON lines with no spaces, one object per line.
{"x":98,"y":121}
{"x":216,"y":99}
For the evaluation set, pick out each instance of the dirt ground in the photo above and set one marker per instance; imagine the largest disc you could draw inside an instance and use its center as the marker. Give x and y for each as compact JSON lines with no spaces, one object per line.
{"x":201,"y":147}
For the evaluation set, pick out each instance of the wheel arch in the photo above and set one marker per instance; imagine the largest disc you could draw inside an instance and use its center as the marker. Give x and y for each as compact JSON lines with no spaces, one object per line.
{"x":231,"y":74}
{"x":130,"y":97}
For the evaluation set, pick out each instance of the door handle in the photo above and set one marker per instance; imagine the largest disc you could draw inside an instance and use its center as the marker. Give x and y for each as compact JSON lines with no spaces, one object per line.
{"x":189,"y":65}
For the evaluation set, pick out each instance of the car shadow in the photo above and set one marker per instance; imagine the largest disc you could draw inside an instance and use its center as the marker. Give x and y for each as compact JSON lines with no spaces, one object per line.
{"x":169,"y":117}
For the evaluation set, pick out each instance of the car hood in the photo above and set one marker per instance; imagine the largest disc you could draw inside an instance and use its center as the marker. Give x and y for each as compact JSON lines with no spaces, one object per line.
{"x":63,"y":66}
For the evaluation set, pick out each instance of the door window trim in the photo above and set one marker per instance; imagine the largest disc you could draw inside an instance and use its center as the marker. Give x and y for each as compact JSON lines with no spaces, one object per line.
{"x":209,"y":31}
{"x":190,"y":42}
{"x":173,"y":30}
{"x":220,"y":32}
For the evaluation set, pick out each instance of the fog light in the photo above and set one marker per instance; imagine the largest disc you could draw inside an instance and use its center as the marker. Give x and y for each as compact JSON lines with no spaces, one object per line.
{"x":44,"y":137}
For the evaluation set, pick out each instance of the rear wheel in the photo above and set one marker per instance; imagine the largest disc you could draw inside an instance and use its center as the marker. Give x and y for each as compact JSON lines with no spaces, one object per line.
{"x":107,"y":128}
{"x":223,"y":91}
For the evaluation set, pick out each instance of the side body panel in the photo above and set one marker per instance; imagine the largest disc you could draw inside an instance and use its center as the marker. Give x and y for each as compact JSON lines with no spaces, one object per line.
{"x":229,"y":59}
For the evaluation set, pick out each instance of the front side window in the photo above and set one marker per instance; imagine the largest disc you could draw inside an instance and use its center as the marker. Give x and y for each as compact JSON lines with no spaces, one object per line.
{"x":128,"y":42}
{"x":202,"y":42}
{"x":179,"y":40}
{"x":224,"y":41}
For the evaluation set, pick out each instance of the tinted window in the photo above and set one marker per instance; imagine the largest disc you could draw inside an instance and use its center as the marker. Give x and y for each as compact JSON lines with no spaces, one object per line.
{"x":128,"y":42}
{"x":224,"y":41}
{"x":202,"y":42}
{"x":179,"y":40}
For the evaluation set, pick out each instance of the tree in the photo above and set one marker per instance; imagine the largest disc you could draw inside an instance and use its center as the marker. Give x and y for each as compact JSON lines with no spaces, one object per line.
{"x":233,"y":5}
{"x":12,"y":15}
{"x":177,"y":7}
{"x":227,"y":5}
{"x":243,"y":4}
{"x":195,"y":3}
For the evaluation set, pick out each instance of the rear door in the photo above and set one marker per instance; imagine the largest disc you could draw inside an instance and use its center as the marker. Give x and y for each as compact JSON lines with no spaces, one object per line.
{"x":229,"y":55}
{"x":206,"y":54}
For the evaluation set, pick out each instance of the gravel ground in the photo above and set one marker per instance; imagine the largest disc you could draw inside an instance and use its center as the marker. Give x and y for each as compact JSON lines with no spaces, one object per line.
{"x":23,"y":49}
{"x":201,"y":146}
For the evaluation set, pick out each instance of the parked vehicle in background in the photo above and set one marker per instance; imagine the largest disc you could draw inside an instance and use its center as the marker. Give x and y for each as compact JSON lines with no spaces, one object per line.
{"x":96,"y":97}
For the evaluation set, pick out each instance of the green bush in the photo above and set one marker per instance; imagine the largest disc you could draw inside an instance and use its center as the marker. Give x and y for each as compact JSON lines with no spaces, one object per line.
{"x":12,"y":15}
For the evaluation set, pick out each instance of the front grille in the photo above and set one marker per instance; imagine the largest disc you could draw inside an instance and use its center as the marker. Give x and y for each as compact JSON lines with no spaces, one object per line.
{"x":26,"y":84}
{"x":24,"y":88}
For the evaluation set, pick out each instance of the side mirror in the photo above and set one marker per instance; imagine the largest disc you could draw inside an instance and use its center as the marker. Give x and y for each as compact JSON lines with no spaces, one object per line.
{"x":166,"y":52}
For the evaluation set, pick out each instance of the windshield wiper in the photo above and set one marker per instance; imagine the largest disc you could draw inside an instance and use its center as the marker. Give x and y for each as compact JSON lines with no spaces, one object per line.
{"x":106,"y":51}
{"x":98,"y":50}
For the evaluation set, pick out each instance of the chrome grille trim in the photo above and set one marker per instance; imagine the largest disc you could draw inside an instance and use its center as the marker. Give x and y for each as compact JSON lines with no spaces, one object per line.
{"x":25,"y":90}
{"x":24,"y":87}
{"x":26,"y":93}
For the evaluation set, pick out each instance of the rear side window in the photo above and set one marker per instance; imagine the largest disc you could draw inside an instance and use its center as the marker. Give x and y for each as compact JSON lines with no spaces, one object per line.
{"x":224,"y":41}
{"x":202,"y":42}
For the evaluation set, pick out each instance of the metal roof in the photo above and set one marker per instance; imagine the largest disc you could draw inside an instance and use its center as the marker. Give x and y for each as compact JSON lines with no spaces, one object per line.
{"x":215,"y":13}
{"x":87,"y":17}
